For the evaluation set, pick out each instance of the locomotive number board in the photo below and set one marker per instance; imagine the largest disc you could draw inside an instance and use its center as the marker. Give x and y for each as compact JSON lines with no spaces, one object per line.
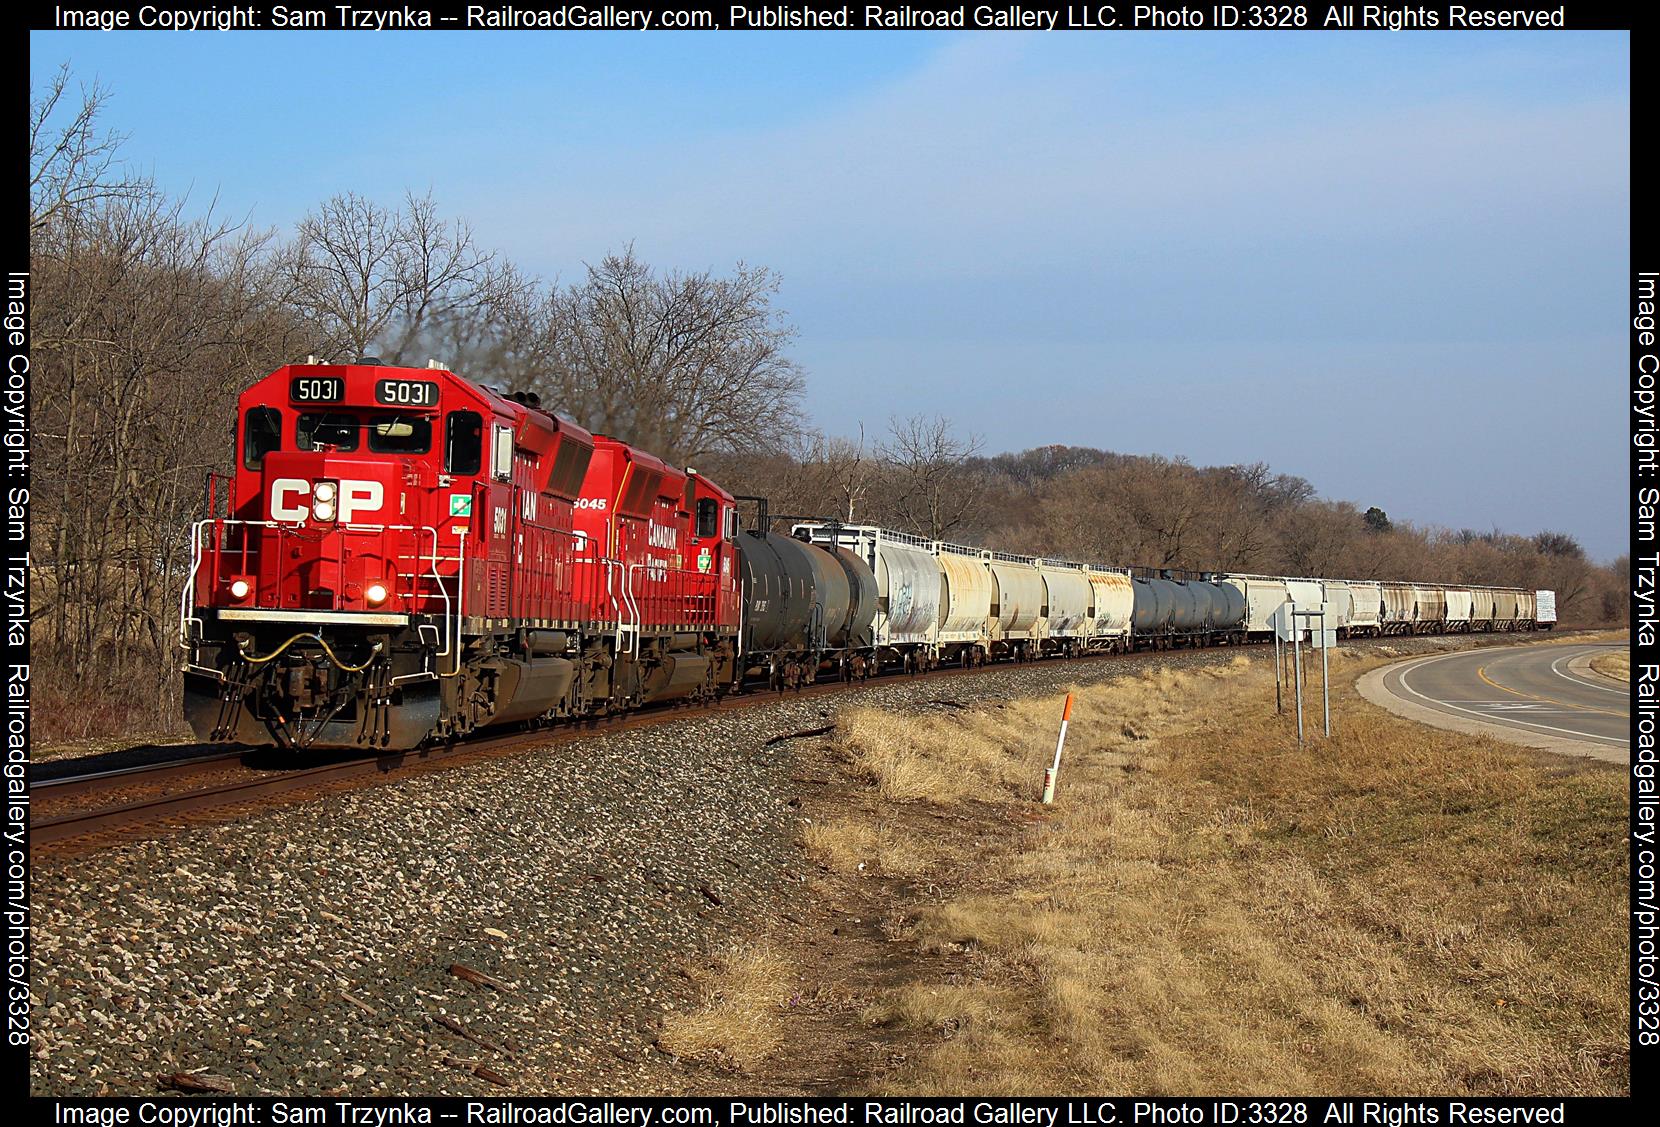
{"x":317,"y":389}
{"x":407,"y":393}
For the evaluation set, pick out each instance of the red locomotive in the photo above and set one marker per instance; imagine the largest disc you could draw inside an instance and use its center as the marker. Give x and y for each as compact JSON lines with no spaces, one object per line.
{"x":406,"y":556}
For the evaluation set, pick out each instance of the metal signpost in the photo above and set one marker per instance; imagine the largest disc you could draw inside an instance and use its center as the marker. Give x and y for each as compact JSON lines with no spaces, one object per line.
{"x":1323,"y":640}
{"x":1297,"y":671}
{"x":1279,"y":674}
{"x":1285,"y":630}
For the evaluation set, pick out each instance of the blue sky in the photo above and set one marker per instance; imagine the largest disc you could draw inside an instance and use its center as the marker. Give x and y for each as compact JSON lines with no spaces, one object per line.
{"x":1392,"y":263}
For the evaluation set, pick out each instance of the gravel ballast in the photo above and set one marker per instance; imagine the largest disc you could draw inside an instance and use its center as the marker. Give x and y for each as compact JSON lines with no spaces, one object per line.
{"x":512,"y":926}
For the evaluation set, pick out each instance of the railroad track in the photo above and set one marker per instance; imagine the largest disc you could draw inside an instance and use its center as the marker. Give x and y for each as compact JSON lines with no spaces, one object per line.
{"x":82,"y":813}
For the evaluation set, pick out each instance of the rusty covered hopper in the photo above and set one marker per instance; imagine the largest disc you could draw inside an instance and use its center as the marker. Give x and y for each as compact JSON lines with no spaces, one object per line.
{"x":1114,"y":602}
{"x":1020,"y":595}
{"x":1070,"y":597}
{"x":967,"y":595}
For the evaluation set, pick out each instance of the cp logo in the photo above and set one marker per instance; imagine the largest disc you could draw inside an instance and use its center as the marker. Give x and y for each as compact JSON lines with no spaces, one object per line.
{"x":288,"y":493}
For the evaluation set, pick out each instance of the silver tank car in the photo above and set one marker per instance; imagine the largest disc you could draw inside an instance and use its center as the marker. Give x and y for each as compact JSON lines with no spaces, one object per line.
{"x":1155,"y":602}
{"x":1227,"y":606}
{"x":1191,"y":607}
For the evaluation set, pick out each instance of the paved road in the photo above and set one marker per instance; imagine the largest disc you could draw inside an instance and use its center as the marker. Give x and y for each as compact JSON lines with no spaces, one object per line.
{"x":1542,"y":696}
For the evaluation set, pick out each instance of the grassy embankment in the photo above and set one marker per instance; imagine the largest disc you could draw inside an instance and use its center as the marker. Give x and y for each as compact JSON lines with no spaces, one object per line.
{"x":1206,"y":907}
{"x":1615,"y":665}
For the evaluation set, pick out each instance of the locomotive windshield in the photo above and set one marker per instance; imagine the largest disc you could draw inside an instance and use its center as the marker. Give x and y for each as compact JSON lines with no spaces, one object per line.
{"x":400,"y":434}
{"x":331,"y":429}
{"x":389,"y":433}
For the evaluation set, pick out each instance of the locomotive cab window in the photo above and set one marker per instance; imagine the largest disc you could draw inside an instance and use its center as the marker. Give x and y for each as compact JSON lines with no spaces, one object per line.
{"x":400,"y":434}
{"x":708,"y":518}
{"x":338,"y":431}
{"x":463,"y":442}
{"x":261,"y":434}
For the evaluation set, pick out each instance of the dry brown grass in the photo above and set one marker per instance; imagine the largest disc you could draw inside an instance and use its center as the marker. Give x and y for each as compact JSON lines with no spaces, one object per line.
{"x":850,"y":845}
{"x":1586,"y":637}
{"x":1208,"y":908}
{"x":738,"y":1022}
{"x":1615,"y":665}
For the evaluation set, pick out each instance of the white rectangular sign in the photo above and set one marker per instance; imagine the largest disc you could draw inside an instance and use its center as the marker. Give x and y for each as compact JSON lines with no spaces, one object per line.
{"x":1286,"y":627}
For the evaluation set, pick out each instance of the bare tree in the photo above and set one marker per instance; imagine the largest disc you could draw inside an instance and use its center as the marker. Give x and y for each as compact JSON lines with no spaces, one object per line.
{"x":149,"y":325}
{"x":926,"y":466}
{"x":71,"y":165}
{"x":682,"y":363}
{"x":1317,"y":535}
{"x":368,"y":278}
{"x":846,"y":469}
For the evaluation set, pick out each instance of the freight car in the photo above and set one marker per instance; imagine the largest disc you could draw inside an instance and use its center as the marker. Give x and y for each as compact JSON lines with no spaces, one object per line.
{"x":404,"y":556}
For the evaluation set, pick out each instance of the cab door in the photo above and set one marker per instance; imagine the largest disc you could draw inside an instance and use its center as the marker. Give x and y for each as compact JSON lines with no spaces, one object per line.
{"x":495,"y":523}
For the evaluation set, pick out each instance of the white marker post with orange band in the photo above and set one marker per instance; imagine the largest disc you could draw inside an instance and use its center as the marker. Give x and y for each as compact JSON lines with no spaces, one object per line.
{"x":1055,"y":769}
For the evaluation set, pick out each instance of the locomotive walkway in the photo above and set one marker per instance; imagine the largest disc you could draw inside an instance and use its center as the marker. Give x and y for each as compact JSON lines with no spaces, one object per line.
{"x":1539,"y":696}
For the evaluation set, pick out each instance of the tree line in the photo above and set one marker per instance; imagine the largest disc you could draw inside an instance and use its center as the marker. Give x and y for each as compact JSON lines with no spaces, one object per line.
{"x":149,"y":316}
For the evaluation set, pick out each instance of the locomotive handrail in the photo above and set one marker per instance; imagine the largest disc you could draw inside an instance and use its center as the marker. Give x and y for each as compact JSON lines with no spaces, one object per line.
{"x":623,"y":628}
{"x":186,"y":595}
{"x":451,"y":613}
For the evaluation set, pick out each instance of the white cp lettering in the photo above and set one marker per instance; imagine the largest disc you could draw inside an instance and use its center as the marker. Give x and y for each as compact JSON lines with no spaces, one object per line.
{"x":356,"y":497}
{"x":359,"y":497}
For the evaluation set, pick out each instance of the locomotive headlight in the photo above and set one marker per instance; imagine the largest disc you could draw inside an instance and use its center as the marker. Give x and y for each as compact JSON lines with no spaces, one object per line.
{"x":376,"y":594}
{"x":322,"y":510}
{"x":325,"y":491}
{"x":240,"y":589}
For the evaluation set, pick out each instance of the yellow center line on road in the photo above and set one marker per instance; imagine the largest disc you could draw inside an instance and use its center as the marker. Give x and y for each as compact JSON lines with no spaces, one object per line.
{"x":1481,"y":671}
